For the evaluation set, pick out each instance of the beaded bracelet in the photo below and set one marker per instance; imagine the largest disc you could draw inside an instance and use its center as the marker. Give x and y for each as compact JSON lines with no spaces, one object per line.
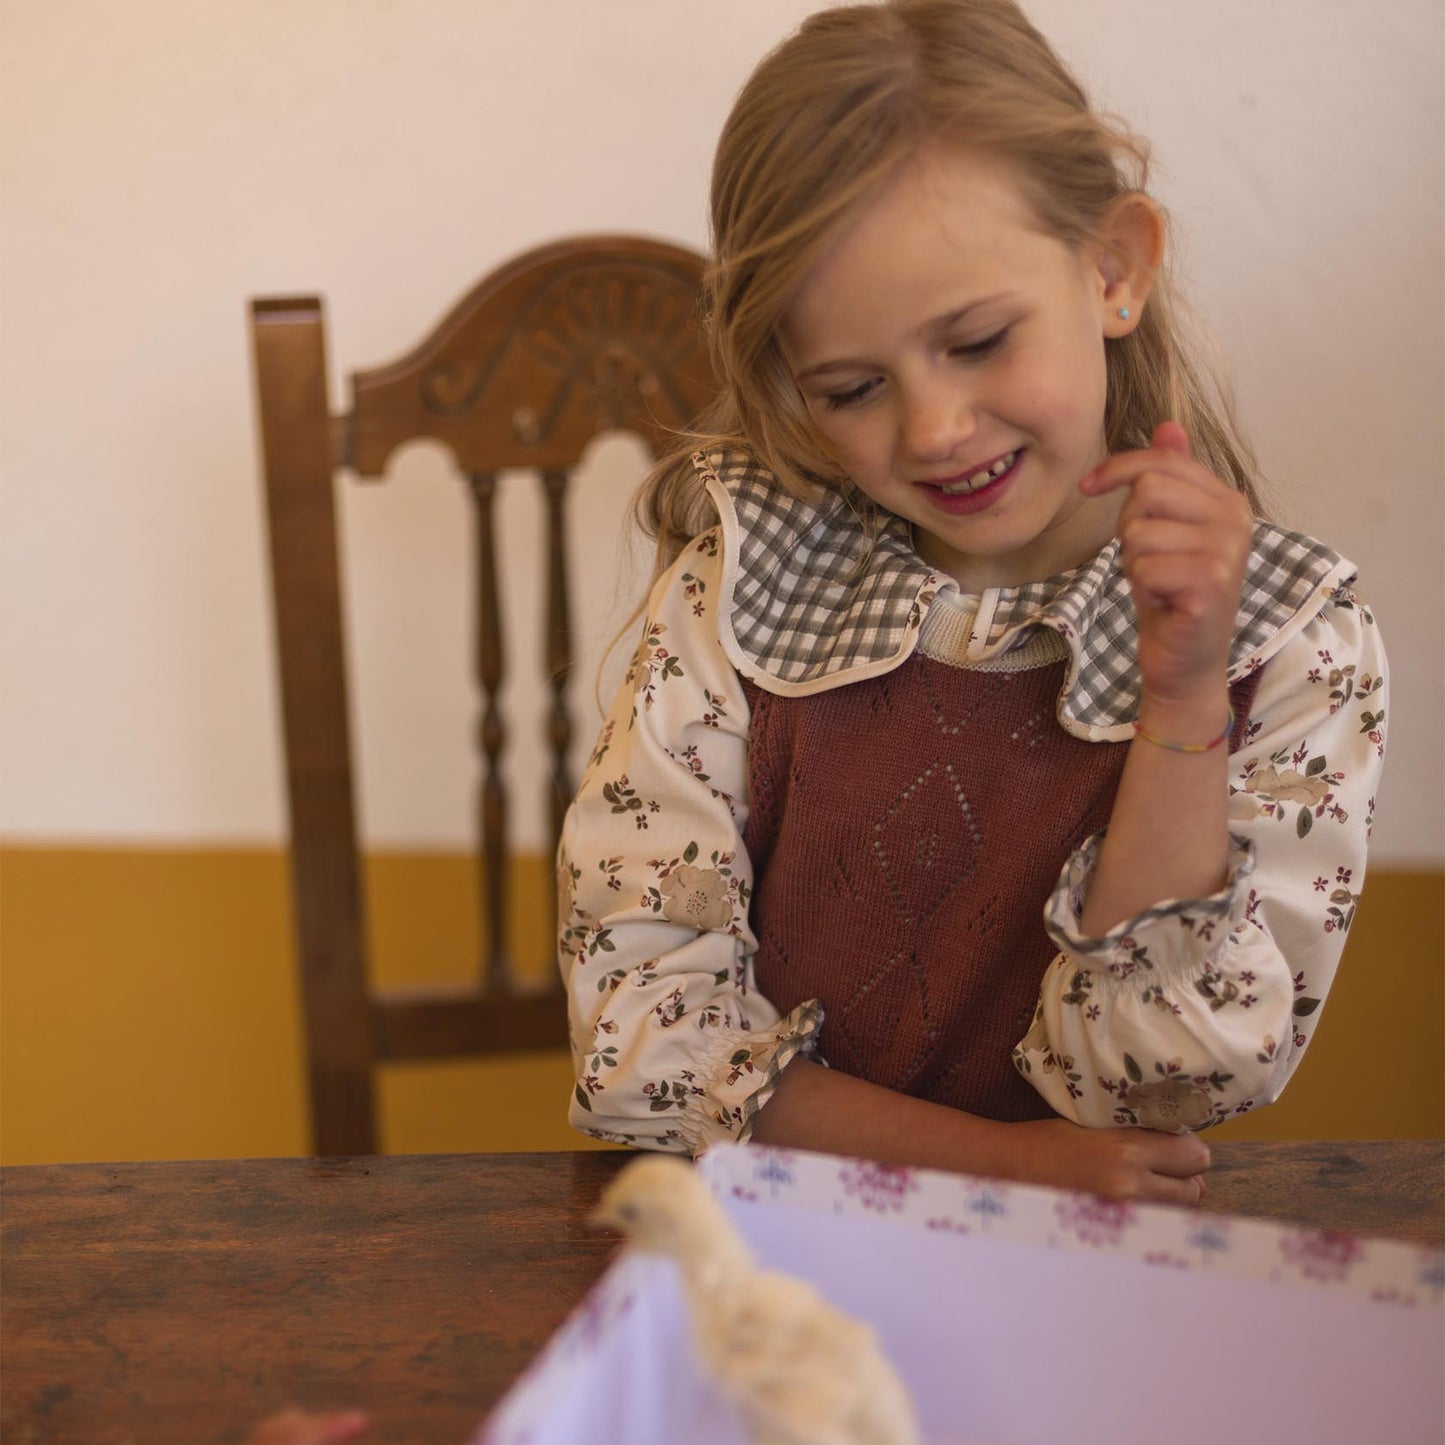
{"x":1149,"y":737}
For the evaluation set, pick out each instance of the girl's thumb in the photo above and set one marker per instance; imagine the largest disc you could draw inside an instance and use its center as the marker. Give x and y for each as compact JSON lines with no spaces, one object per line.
{"x":1169,"y":436}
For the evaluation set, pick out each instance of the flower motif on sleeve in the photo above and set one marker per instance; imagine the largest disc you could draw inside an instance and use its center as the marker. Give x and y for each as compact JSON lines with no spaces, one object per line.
{"x":1174,"y":1102}
{"x":702,"y":897}
{"x":671,"y":1009}
{"x":697,"y":897}
{"x":578,"y":934}
{"x":673,"y":1093}
{"x":1372,"y":723}
{"x":622,"y":797}
{"x":567,"y":876}
{"x":1170,"y":1105}
{"x":1341,"y":912}
{"x":693,"y":588}
{"x":653,"y":664}
{"x":604,"y":744}
{"x":1280,"y":783}
{"x":1288,"y":786}
{"x":1064,"y":1063}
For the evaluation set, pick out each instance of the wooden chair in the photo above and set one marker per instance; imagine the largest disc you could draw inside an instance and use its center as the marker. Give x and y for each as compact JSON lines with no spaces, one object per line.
{"x":566,"y":342}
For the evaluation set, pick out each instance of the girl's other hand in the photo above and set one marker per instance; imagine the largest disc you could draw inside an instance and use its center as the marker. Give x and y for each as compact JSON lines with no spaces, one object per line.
{"x":297,"y":1427}
{"x":1133,"y":1164}
{"x":1185,"y":539}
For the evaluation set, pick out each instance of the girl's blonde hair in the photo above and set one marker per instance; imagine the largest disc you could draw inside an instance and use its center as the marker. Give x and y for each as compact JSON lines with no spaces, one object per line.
{"x":825,"y":122}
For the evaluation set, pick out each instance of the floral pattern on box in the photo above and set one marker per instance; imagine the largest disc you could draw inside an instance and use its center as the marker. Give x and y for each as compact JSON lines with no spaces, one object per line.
{"x":1377,"y":1269}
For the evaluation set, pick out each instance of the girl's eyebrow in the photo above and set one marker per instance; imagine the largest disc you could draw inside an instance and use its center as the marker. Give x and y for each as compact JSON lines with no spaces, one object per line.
{"x":943,"y":323}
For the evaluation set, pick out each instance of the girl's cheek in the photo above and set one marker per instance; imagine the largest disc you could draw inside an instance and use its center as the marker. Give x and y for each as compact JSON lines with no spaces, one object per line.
{"x":1066,"y":396}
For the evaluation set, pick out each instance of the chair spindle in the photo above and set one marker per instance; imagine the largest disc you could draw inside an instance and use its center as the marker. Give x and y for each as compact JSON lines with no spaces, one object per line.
{"x":559,"y":646}
{"x":492,"y":798}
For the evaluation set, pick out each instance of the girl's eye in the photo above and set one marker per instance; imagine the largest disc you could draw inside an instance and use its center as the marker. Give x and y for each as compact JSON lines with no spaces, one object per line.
{"x":975,"y":350}
{"x":836,"y":401}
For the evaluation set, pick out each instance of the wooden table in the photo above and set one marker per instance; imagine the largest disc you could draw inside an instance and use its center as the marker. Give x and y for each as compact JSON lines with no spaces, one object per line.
{"x":183,"y":1302}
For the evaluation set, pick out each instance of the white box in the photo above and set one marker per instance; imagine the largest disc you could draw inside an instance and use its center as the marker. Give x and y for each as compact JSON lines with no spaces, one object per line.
{"x":1020,"y":1315}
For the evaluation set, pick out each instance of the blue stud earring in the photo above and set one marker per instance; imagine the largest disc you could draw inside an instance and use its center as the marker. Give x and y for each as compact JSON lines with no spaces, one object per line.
{"x":1123,"y":313}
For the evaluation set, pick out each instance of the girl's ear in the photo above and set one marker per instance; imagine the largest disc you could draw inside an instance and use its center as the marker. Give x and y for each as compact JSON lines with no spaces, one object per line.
{"x":1130,"y":253}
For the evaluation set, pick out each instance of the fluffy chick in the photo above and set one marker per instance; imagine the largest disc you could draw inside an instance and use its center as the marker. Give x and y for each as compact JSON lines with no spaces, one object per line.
{"x":798,"y":1371}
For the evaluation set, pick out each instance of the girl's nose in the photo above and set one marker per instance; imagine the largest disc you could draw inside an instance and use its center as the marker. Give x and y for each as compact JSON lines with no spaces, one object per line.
{"x":934,"y":421}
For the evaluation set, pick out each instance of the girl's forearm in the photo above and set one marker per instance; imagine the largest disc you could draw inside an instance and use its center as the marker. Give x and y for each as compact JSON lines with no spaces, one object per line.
{"x":817,"y":1108}
{"x":814,"y":1107}
{"x":1168,"y":834}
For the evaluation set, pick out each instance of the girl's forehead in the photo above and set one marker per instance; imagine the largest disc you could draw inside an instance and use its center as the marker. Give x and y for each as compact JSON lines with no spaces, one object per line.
{"x":951,"y":229}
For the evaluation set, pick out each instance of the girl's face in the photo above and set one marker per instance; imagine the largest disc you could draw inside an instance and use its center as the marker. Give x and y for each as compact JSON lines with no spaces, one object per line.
{"x":952,"y":356}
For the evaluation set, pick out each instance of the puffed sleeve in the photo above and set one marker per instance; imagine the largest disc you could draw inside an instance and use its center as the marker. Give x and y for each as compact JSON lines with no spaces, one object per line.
{"x":672,"y":1045}
{"x":1197,"y":1010}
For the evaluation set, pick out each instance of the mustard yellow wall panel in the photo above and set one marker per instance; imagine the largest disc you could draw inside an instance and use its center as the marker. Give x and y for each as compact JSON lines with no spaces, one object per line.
{"x":148,"y":1010}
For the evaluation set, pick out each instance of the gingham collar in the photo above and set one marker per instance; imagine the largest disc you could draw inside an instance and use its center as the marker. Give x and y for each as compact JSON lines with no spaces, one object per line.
{"x":815,"y":605}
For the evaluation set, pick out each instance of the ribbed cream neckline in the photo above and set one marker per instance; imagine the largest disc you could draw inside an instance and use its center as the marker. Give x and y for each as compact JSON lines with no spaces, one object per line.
{"x":949,"y":625}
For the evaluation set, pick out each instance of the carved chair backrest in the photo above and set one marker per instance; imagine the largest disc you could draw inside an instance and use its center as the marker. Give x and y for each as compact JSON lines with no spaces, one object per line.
{"x":568,"y":341}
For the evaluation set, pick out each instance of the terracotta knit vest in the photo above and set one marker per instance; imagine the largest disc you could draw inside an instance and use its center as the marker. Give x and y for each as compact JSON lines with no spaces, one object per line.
{"x":906,"y":832}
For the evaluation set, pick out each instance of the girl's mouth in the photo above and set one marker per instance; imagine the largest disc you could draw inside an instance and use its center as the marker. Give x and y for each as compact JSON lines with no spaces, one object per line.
{"x":977,"y":490}
{"x":979,"y":479}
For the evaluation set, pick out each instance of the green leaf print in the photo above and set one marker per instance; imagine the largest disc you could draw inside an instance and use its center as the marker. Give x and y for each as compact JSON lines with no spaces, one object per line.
{"x":1304,"y":1007}
{"x":582,"y":1098}
{"x":1315,"y":765}
{"x":1304,"y":822}
{"x":1132,"y":1069}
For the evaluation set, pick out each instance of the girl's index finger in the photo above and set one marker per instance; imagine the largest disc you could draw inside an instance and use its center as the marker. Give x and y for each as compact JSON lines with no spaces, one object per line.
{"x":1170,"y":436}
{"x":1125,"y":467}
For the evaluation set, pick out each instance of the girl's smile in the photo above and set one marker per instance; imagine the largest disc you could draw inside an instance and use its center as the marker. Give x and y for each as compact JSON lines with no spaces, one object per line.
{"x":951,"y":355}
{"x":976,"y":491}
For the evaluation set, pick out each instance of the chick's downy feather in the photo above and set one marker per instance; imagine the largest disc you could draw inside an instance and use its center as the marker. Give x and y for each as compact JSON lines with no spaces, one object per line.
{"x":798,"y":1371}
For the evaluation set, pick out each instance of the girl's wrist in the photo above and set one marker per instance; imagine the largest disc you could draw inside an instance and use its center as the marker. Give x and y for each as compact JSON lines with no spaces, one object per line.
{"x":1199,"y":723}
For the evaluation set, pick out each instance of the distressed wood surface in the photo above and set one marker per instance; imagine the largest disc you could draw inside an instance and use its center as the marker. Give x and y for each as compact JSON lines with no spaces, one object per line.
{"x":183,"y":1302}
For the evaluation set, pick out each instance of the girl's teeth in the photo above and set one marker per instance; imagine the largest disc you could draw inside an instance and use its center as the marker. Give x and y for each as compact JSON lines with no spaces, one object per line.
{"x":980,"y":479}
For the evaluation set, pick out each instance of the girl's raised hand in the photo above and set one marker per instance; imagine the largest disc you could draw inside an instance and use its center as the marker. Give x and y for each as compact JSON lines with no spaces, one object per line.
{"x":1185,"y":539}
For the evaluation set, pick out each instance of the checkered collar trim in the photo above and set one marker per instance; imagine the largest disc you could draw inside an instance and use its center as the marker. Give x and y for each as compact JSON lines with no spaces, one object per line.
{"x":814,"y":604}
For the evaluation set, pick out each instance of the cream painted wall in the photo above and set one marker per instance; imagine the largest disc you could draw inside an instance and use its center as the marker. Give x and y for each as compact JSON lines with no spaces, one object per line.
{"x":162,"y":160}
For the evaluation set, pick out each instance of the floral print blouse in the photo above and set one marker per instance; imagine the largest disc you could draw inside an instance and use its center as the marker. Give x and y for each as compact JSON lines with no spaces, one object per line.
{"x":1195,"y":1010}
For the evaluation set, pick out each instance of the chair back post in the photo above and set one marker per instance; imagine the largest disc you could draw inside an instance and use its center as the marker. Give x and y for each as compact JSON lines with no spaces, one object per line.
{"x":289,"y":354}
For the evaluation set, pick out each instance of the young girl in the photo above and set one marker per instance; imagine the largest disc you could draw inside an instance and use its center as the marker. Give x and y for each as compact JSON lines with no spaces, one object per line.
{"x":991,"y":785}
